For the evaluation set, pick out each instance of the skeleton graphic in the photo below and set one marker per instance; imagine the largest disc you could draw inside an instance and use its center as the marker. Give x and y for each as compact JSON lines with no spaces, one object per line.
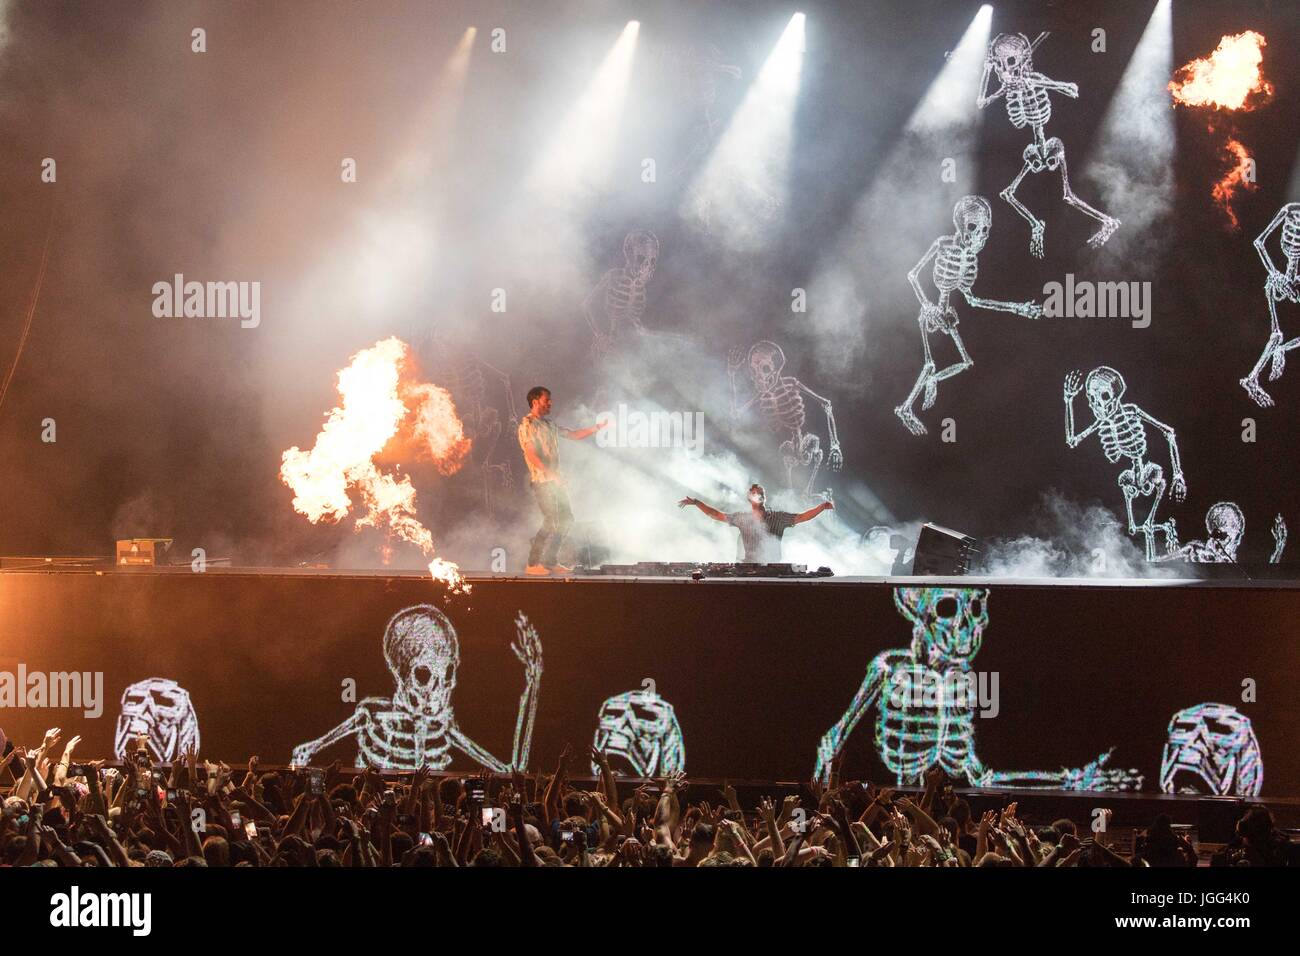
{"x":926,"y":703}
{"x":1280,"y":285}
{"x":161,"y":710}
{"x":1010,"y":55}
{"x":956,"y":265}
{"x":476,"y":388}
{"x":700,"y":69}
{"x":1121,"y":427}
{"x":467,"y":379}
{"x":417,"y":725}
{"x":1211,"y":749}
{"x":1225,"y":525}
{"x":617,"y":303}
{"x":639,"y":730}
{"x":781,"y":405}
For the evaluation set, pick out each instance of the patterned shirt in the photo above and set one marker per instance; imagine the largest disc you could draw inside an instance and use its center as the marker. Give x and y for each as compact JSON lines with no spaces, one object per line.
{"x":543,"y":437}
{"x":761,"y":536}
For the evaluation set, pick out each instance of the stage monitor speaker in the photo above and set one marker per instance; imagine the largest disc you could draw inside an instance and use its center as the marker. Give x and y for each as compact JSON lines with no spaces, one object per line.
{"x":943,"y":552}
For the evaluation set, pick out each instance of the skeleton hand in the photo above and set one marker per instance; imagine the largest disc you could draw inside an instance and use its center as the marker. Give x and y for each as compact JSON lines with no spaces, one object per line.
{"x":935,"y":318}
{"x":1096,"y":777}
{"x":528,"y":648}
{"x":835,"y":460}
{"x":1073,"y":385}
{"x":1278,"y":286}
{"x":1071,"y":90}
{"x":1029,"y":310}
{"x":301,"y":756}
{"x":735,"y":359}
{"x":1179,"y":487}
{"x":1279,"y":533}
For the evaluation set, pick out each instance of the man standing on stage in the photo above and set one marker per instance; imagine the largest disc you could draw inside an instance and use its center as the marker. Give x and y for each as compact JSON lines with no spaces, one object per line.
{"x":760,"y":529}
{"x":539,"y":439}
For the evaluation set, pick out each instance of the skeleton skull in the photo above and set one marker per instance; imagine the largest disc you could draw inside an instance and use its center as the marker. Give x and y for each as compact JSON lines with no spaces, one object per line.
{"x":1105,"y":388}
{"x":947,"y":623}
{"x":640,"y":730}
{"x":766,"y":360}
{"x":1012,"y":55}
{"x":641,"y":253}
{"x":160,"y":709}
{"x":1226,"y":525}
{"x":973,"y":218}
{"x":1211,"y":749}
{"x":422,"y":652}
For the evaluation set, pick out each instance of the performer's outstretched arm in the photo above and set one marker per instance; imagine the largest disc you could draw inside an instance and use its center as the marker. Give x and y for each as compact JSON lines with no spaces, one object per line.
{"x":812,"y":512}
{"x":709,"y":510}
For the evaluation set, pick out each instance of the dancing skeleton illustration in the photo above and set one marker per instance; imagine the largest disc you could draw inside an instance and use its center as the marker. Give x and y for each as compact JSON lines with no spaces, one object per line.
{"x":466,"y":379}
{"x":926,"y":702}
{"x":417,"y":725}
{"x":956,"y":266}
{"x":1121,"y":427}
{"x":617,"y":303}
{"x":1226,"y":525}
{"x":780,"y":403}
{"x":1279,"y":286}
{"x":699,"y":70}
{"x":470,"y":380}
{"x":1010,"y":55}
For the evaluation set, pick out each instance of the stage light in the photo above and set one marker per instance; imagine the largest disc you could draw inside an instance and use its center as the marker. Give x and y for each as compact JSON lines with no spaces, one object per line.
{"x":743,"y":182}
{"x":1132,"y":163}
{"x":948,"y":102}
{"x":580,"y":154}
{"x":906,"y":203}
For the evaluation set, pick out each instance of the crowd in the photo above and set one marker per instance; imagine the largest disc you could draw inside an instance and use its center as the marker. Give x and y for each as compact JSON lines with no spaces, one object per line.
{"x":59,"y":812}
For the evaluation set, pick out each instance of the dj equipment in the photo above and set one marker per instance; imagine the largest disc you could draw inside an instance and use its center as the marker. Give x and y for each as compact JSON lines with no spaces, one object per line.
{"x":141,"y":552}
{"x":690,"y":569}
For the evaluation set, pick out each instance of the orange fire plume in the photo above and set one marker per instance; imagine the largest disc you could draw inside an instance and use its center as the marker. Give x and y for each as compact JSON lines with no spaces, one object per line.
{"x":1230,"y":79}
{"x":378,"y":408}
{"x":1235,"y":180}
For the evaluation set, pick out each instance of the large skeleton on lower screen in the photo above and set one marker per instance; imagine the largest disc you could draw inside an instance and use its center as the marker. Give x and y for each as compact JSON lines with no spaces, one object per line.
{"x":936,"y":726}
{"x":1211,"y":749}
{"x":1121,"y":428}
{"x":416,"y":726}
{"x":956,"y":266}
{"x":160,"y":711}
{"x":639,"y":730}
{"x":1280,"y":286}
{"x":1011,"y":57}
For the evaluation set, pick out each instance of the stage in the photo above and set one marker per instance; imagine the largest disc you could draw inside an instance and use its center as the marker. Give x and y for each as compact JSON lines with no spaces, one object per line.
{"x":739,"y":679}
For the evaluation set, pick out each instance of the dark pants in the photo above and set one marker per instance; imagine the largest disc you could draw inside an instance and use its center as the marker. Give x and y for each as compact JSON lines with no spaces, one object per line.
{"x":557,"y":518}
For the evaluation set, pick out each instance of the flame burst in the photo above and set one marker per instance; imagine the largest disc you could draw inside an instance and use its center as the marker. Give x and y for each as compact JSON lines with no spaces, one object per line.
{"x":1235,"y":180}
{"x":376,"y":408}
{"x":1229,"y":80}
